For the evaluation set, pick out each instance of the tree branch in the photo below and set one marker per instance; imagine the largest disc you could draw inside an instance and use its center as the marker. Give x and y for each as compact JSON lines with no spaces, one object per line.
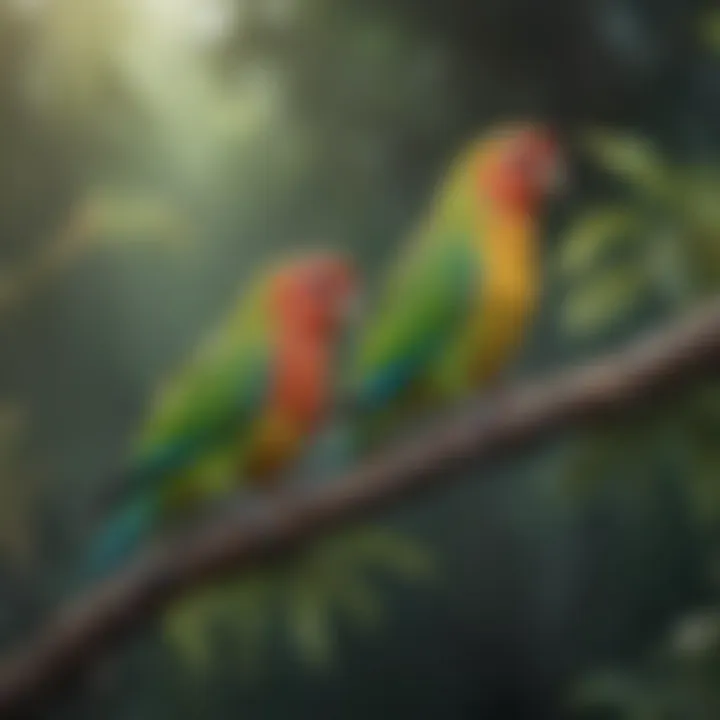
{"x":92,"y":625}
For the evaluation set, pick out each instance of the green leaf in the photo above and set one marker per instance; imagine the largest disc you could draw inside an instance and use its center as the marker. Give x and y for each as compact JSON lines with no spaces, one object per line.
{"x":388,"y":551}
{"x":610,"y":689}
{"x":631,"y":158}
{"x":601,"y":301}
{"x":698,"y":191}
{"x":187,"y":627}
{"x":696,"y":635}
{"x":354,"y":597}
{"x":235,"y":610}
{"x":667,"y":264}
{"x":709,"y":30}
{"x":309,"y":620}
{"x":698,"y":210}
{"x":594,"y":234}
{"x":119,"y":216}
{"x":243,"y":615}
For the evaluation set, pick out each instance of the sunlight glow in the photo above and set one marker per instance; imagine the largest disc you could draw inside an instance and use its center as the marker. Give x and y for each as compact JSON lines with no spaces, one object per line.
{"x":195,"y":21}
{"x":29,"y":7}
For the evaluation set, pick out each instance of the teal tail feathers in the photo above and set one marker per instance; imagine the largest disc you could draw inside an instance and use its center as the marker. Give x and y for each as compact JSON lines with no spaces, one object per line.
{"x":117,"y":542}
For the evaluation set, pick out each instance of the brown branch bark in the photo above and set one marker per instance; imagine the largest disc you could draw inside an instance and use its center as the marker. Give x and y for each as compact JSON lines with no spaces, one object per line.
{"x":94,"y":624}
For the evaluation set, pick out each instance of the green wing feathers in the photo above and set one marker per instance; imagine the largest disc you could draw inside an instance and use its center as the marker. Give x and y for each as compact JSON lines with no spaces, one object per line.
{"x":192,"y":446}
{"x":425,"y":306}
{"x":418,"y":327}
{"x":195,"y":433}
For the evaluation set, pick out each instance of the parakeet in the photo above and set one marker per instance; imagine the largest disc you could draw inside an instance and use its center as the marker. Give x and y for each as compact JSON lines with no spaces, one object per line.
{"x":457,"y":303}
{"x":243,"y":408}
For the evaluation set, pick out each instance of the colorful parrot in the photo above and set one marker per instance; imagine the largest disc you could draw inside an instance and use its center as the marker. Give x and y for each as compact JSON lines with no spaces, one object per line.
{"x":457,"y":303}
{"x":243,"y":409}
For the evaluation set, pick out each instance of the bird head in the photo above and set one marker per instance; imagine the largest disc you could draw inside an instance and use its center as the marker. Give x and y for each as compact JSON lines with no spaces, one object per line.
{"x":519,"y":166}
{"x":316,"y":293}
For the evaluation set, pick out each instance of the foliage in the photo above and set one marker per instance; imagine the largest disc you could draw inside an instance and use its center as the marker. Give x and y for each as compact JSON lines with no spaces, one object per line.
{"x":677,"y":680}
{"x":657,"y":249}
{"x":709,"y":30}
{"x":101,"y":218}
{"x":307,"y":595}
{"x":654,"y":251}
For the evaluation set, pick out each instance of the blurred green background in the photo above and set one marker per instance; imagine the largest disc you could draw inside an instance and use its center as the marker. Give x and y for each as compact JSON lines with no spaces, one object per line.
{"x":154,"y":153}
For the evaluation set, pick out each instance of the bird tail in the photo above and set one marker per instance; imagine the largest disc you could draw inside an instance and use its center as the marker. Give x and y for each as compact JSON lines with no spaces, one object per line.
{"x":117,"y":541}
